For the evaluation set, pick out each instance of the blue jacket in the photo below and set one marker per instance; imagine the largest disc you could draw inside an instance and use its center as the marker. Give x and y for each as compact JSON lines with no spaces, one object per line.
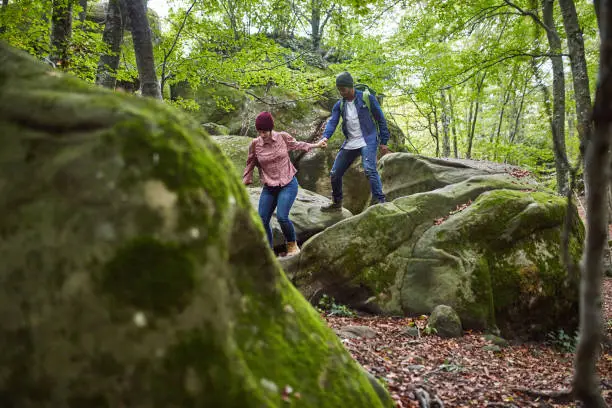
{"x":368,"y":127}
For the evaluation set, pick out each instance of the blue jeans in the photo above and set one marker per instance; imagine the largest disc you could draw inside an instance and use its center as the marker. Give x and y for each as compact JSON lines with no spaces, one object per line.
{"x":343,"y":161}
{"x":281,"y":199}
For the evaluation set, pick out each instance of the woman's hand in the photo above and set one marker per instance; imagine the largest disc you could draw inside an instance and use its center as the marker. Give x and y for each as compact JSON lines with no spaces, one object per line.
{"x":322,"y":144}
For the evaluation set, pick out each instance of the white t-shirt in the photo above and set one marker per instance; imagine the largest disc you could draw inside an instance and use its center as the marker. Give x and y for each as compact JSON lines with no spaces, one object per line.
{"x":353,"y":128}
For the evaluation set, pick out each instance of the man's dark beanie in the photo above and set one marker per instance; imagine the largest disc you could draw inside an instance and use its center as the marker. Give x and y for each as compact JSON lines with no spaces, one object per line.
{"x":344,"y":79}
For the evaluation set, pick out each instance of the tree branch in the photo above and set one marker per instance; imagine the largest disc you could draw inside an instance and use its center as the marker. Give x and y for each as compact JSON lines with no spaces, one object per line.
{"x":176,"y":37}
{"x":531,"y":14}
{"x":300,"y":55}
{"x":262,"y":99}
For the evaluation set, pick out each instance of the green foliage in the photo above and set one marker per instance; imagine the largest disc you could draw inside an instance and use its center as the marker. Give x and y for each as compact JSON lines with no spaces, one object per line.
{"x":188,"y":105}
{"x":427,"y":58}
{"x":563,"y":341}
{"x":429,"y":330}
{"x":329,"y":306}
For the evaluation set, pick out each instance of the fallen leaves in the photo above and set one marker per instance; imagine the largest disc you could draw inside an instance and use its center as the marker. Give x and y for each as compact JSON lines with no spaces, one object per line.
{"x":519,"y":173}
{"x":467,"y":371}
{"x":459,"y":208}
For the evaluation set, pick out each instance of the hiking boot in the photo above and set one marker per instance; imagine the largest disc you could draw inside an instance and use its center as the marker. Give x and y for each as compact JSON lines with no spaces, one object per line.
{"x":375,"y":201}
{"x":292,"y":248}
{"x":335,"y":206}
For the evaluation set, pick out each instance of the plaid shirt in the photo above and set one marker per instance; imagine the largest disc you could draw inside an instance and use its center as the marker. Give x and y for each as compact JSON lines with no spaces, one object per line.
{"x":271,"y":156}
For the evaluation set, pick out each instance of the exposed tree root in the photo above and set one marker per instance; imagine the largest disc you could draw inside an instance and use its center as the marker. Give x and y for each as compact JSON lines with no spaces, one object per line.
{"x":426,"y":400}
{"x":566,"y":395}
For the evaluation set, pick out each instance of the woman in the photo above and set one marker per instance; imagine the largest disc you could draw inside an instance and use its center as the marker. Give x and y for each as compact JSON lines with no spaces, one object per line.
{"x":270,"y":153}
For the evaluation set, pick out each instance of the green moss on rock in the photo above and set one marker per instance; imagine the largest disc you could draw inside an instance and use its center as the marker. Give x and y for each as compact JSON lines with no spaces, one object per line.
{"x":493,"y":261}
{"x":136,"y":270}
{"x":151,"y":275}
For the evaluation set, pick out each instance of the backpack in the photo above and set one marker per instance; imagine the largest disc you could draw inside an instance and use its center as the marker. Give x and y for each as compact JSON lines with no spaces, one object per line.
{"x":367,"y":91}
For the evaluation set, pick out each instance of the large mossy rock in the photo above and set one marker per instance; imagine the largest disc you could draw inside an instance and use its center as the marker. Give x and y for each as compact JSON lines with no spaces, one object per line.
{"x":134,"y":271}
{"x":306,"y":215}
{"x":236,"y":110}
{"x":404,"y":174}
{"x":496,"y":262}
{"x":236,"y":148}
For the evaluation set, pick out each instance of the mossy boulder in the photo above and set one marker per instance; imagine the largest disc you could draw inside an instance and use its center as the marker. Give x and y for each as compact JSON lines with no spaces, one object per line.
{"x":236,"y":148}
{"x":306,"y":216}
{"x":215,"y":129}
{"x":134,"y":270}
{"x":445,"y":321}
{"x":496,"y":262}
{"x":404,"y":174}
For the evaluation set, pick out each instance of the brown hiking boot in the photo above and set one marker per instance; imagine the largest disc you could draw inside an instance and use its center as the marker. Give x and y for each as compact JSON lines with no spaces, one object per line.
{"x":333,"y":207}
{"x":292,"y":248}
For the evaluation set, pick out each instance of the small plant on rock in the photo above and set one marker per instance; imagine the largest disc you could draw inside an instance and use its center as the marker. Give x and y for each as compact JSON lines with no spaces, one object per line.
{"x":563,"y":341}
{"x":329,"y":306}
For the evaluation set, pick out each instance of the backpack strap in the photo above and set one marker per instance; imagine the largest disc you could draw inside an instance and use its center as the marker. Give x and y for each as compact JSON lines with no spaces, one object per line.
{"x":366,"y":99}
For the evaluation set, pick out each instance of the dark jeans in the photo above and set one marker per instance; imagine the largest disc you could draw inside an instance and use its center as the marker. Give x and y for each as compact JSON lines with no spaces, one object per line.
{"x":281,"y":199}
{"x":343,"y":161}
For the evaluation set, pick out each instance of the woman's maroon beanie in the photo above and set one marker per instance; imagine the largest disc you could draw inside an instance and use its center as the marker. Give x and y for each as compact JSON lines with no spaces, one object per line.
{"x":264,"y":121}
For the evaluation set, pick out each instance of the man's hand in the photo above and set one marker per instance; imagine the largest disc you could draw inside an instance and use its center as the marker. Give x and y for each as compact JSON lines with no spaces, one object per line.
{"x":321,"y":143}
{"x":384,"y":149}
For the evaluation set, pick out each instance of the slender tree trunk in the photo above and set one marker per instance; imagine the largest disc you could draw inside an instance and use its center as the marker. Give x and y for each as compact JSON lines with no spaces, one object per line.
{"x":468,"y":153}
{"x":445,"y":126}
{"x":558,"y":114}
{"x":4,"y":6}
{"x":582,"y":95}
{"x":575,"y":44}
{"x":452,"y":120}
{"x":143,"y":48}
{"x":586,"y":382}
{"x":113,"y":37}
{"x":315,"y":21}
{"x":61,"y":32}
{"x":83,"y":12}
{"x":505,"y":100}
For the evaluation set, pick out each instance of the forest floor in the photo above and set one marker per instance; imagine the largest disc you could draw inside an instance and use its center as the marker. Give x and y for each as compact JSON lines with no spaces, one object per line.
{"x":470,"y":371}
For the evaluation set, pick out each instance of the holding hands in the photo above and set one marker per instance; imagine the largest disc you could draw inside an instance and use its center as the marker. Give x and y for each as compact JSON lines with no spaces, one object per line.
{"x":322,"y":144}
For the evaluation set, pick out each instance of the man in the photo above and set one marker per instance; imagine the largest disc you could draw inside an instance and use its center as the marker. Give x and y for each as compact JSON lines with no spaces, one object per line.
{"x":362,"y":139}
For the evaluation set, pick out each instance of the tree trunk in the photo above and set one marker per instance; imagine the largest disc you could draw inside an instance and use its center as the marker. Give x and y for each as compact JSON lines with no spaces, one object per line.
{"x":575,"y":44}
{"x":558,"y":111}
{"x":143,"y":49}
{"x":582,"y":95}
{"x":4,"y":6}
{"x":445,"y":126}
{"x":435,"y":133}
{"x":505,"y":100}
{"x":315,"y":20}
{"x":452,"y":120}
{"x":61,"y":32}
{"x":517,"y":118}
{"x":113,"y":37}
{"x":83,"y":12}
{"x":586,"y":382}
{"x":468,"y":154}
